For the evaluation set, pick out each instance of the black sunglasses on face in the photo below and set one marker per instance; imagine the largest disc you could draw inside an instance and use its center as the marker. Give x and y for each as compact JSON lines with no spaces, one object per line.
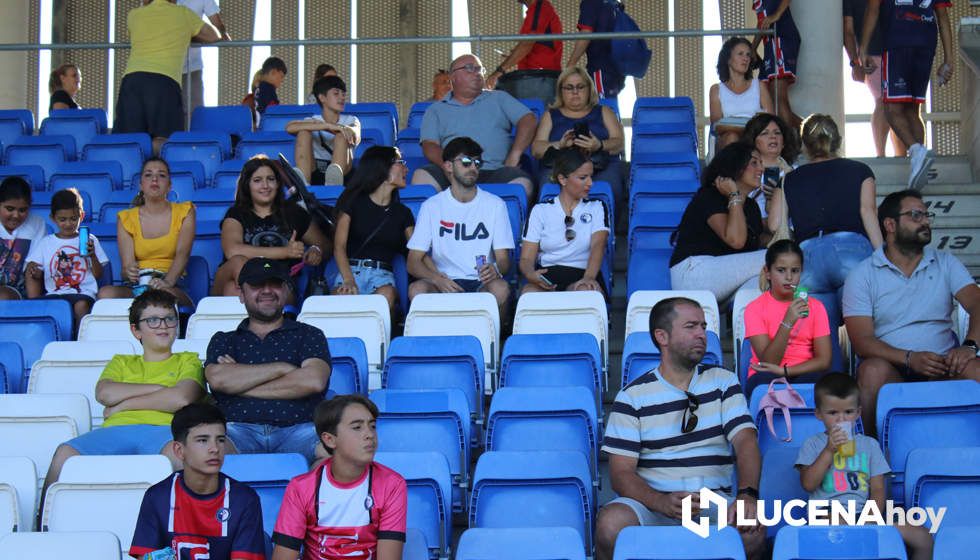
{"x":689,"y":423}
{"x":468,"y":161}
{"x":569,"y":232}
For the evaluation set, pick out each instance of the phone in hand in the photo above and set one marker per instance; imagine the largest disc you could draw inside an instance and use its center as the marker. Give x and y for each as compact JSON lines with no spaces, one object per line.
{"x":581,"y":129}
{"x":771,"y":177}
{"x":547,"y":282}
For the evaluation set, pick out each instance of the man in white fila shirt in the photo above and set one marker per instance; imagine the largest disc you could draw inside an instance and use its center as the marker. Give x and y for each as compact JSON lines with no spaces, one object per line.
{"x":466,"y":231}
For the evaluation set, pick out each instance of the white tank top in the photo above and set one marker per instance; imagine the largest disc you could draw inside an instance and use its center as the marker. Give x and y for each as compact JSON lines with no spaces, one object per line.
{"x":745,"y":104}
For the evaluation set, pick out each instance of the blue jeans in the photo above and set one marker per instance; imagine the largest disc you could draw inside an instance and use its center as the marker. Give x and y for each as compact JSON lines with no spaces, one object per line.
{"x":828,"y":259}
{"x":265,"y":438}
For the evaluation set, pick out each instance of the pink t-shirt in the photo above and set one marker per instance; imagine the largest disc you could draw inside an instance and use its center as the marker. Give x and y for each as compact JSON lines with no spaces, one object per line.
{"x":764,"y":315}
{"x":333,"y":521}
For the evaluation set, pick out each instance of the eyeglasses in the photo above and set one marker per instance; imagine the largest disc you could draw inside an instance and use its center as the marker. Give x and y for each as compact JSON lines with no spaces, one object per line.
{"x":579,"y":87}
{"x":569,"y":232}
{"x":169,"y":321}
{"x":471,"y":68}
{"x":399,"y":162}
{"x":917,"y":215}
{"x":468,"y":161}
{"x":689,"y":423}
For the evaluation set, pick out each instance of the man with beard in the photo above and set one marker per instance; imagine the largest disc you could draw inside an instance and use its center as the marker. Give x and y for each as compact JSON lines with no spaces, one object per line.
{"x":897,"y":305}
{"x":269,"y":374}
{"x":460,"y":227}
{"x":673,"y":431}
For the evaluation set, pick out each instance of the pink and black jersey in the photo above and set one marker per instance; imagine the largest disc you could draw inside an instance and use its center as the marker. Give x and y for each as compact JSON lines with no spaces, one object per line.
{"x":910,"y":23}
{"x":218,"y":526}
{"x":333,"y":521}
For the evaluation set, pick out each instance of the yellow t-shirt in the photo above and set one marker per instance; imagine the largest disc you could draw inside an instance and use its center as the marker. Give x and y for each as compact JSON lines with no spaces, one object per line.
{"x":125,"y":368}
{"x":160,"y":34}
{"x":157,"y":253}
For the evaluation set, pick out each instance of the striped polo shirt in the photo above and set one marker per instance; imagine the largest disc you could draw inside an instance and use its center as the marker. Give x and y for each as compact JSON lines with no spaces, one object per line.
{"x":645,"y":423}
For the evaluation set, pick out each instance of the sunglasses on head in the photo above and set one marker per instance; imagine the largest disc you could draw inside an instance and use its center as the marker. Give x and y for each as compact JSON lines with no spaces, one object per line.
{"x":569,"y":232}
{"x":468,"y":161}
{"x":688,"y":423}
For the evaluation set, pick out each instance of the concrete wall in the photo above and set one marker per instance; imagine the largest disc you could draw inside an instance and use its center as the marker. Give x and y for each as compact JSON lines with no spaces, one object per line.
{"x":15,"y":28}
{"x":820,"y":84}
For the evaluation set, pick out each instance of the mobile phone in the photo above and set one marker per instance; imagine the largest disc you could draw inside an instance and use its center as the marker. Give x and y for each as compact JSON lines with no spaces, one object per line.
{"x":771,"y":176}
{"x":581,"y":129}
{"x":547,"y":282}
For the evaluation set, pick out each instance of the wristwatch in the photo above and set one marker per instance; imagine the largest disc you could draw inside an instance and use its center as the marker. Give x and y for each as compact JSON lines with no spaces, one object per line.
{"x":972,"y":344}
{"x":748,"y":491}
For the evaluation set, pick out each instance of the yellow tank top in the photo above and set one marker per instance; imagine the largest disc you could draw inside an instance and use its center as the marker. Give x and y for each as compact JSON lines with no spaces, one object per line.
{"x":156,"y":253}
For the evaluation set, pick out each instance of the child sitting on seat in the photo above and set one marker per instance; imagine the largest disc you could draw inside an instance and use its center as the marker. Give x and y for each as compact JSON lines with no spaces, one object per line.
{"x":844,"y":466}
{"x":58,"y":264}
{"x":19,"y":230}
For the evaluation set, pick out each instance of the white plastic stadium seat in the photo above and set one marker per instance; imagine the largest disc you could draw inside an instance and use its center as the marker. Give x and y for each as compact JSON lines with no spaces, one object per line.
{"x":743,"y":297}
{"x":115,"y":469}
{"x":197,"y":345}
{"x":363,"y":316}
{"x":94,"y":507}
{"x":34,"y":425}
{"x":565,"y":312}
{"x":75,"y":367}
{"x":215,"y":314}
{"x":642,"y":301}
{"x":9,"y":509}
{"x":109,"y":320}
{"x":474,"y":314}
{"x":21,"y":476}
{"x":91,"y":545}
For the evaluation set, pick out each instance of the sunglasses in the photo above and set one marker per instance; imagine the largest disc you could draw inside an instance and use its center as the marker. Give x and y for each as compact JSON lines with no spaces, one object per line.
{"x":569,"y":232}
{"x":467,"y":161}
{"x":688,"y":423}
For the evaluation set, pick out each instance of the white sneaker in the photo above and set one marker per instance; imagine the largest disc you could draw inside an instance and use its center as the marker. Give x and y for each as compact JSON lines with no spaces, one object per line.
{"x":921,"y":161}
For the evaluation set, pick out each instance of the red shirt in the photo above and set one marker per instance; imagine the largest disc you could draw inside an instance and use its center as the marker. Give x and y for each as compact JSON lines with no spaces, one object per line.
{"x":541,"y":18}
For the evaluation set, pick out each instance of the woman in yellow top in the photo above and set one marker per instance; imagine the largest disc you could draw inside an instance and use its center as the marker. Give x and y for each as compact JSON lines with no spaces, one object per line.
{"x":155,"y":237}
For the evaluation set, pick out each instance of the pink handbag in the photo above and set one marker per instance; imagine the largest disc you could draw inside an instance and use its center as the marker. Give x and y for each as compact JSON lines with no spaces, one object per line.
{"x":784,"y":400}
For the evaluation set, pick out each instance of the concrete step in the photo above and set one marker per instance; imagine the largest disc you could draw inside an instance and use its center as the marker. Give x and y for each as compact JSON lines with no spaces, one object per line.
{"x":895,"y":171}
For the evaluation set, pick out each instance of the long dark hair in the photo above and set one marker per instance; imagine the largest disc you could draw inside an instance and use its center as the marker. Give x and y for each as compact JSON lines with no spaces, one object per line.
{"x":758,"y":123}
{"x":725,"y":54}
{"x":567,"y":161}
{"x":371,"y":172}
{"x":243,"y":193}
{"x":730,"y":162}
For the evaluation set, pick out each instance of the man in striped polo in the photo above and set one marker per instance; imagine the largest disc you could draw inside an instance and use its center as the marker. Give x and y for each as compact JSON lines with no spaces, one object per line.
{"x":677,"y":429}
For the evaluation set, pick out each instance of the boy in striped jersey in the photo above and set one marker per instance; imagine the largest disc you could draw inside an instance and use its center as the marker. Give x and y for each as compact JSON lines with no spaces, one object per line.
{"x":676,"y":429}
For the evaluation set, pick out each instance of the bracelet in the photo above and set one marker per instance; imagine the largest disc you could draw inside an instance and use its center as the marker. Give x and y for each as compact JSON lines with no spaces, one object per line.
{"x":317,"y":247}
{"x":783,"y":323}
{"x":908,"y":361}
{"x":786,"y":370}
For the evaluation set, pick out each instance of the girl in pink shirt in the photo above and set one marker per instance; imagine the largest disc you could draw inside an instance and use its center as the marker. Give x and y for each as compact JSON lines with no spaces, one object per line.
{"x":790,"y":338}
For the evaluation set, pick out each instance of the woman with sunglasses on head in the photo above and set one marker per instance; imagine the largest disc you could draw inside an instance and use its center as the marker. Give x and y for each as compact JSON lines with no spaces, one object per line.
{"x":372,"y":226}
{"x":576,"y":119}
{"x":568,"y":233}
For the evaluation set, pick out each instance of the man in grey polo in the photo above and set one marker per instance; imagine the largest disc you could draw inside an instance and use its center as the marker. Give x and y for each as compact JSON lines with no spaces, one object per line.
{"x":486,"y":116}
{"x":897,"y":306}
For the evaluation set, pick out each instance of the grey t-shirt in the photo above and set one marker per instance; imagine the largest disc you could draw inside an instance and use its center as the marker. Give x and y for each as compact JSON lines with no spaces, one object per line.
{"x":847,"y":479}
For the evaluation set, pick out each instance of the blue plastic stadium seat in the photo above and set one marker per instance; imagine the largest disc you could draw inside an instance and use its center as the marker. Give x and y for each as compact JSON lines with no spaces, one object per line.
{"x":670,"y":113}
{"x":95,"y":114}
{"x":533,"y":489}
{"x":416,"y":113}
{"x":544,"y":419}
{"x":267,"y":474}
{"x":644,"y":223}
{"x":437,"y":362}
{"x":653,"y":139}
{"x":34,"y":323}
{"x":429,"y":493}
{"x":408,"y":143}
{"x":516,"y":200}
{"x":113,"y":204}
{"x":47,"y":151}
{"x":525,"y":543}
{"x":945,"y":477}
{"x":12,"y":361}
{"x":661,"y":196}
{"x":671,"y":167}
{"x":369,"y":137}
{"x":41,"y":203}
{"x":106,"y":234}
{"x":96,"y":178}
{"x":235,"y":120}
{"x":956,"y":542}
{"x":648,"y":269}
{"x":212,"y":204}
{"x":428,"y":420}
{"x":269,"y":143}
{"x":206,"y":147}
{"x":414,"y":195}
{"x":327,"y":194}
{"x":535,"y":105}
{"x":911,"y":415}
{"x":277,"y":117}
{"x":81,"y":130}
{"x":33,"y":174}
{"x":130,"y":150}
{"x":780,"y":480}
{"x":197,"y":278}
{"x":553,"y":360}
{"x":207,"y":243}
{"x":640,"y":355}
{"x":838,"y":542}
{"x":416,"y":546}
{"x":349,"y":366}
{"x":380,"y":116}
{"x":15,"y":123}
{"x":677,"y":543}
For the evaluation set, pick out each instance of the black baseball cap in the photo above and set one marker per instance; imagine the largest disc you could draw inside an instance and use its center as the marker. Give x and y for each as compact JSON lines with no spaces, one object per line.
{"x":259,"y":270}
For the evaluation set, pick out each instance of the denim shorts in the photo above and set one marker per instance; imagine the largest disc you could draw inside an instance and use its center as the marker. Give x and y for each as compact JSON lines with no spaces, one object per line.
{"x":134,"y":439}
{"x":368,"y":279}
{"x":265,"y":438}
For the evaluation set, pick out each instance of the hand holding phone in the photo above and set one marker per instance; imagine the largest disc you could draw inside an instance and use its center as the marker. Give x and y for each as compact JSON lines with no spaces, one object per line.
{"x":582,"y":129}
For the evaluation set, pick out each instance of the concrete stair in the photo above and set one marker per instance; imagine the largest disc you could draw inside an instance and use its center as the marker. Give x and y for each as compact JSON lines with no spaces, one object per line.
{"x":952,"y":193}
